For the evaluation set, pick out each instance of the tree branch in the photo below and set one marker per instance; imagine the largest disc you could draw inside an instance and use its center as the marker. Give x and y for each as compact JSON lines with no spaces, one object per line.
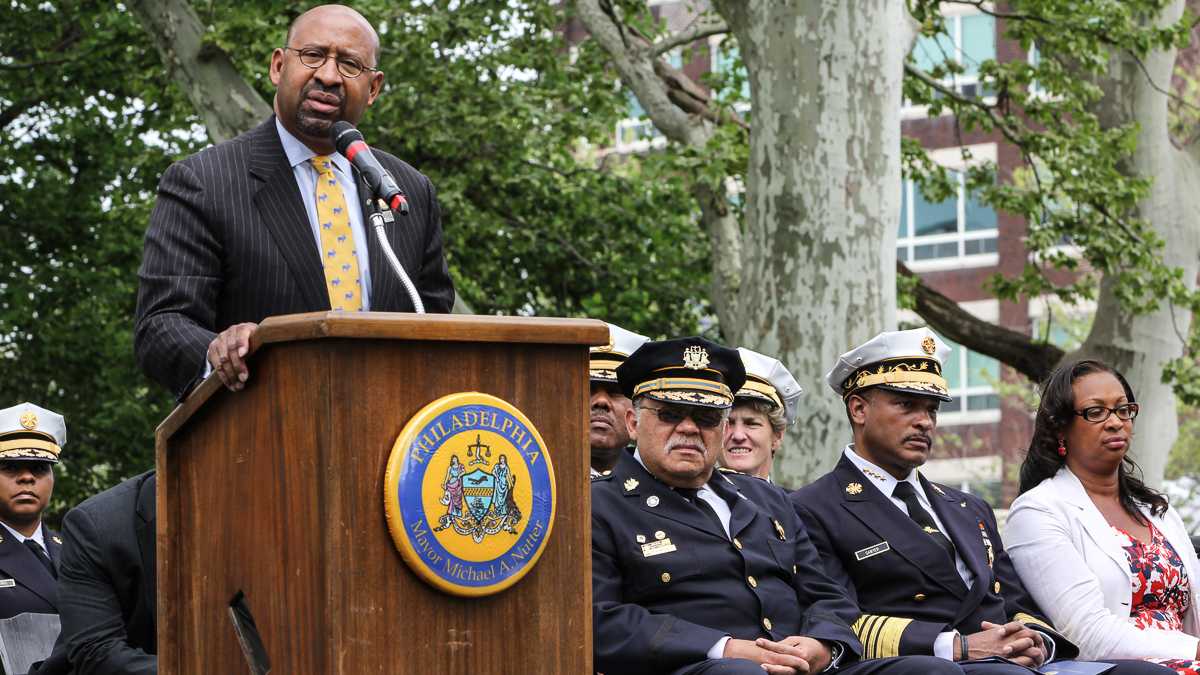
{"x":1032,"y":359}
{"x":699,"y":31}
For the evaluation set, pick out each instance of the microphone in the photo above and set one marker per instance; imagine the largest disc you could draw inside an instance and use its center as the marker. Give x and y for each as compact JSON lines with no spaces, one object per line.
{"x":349,"y":142}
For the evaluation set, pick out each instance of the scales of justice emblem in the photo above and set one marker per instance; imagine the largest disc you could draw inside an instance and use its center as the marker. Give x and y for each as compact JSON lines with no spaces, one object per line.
{"x":479,"y":502}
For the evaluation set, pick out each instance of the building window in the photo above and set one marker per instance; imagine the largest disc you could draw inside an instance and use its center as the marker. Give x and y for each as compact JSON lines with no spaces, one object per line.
{"x":961,"y":228}
{"x":971,"y":378}
{"x":969,"y":39}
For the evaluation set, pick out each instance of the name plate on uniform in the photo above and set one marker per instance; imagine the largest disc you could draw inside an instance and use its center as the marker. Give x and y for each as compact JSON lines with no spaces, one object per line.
{"x":657,"y":547}
{"x":469,"y":494}
{"x":863,"y":554}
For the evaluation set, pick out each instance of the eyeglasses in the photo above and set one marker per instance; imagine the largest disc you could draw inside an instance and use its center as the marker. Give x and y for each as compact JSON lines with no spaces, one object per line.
{"x":314,"y":58}
{"x":705,"y":418}
{"x":1098,"y":413}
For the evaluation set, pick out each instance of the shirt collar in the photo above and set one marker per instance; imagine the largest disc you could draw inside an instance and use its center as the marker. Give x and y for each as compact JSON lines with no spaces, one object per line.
{"x":298,"y":153}
{"x":37,"y":535}
{"x":878,"y":477}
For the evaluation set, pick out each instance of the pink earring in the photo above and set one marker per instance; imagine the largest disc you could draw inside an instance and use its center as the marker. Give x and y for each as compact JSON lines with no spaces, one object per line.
{"x":1062,"y":448}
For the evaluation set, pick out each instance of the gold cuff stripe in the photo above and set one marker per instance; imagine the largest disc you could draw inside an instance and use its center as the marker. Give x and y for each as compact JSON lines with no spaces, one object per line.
{"x":901,"y":377}
{"x":880,"y":635}
{"x":6,"y":447}
{"x":1022,"y":617}
{"x":687,"y":383}
{"x":757,"y":389}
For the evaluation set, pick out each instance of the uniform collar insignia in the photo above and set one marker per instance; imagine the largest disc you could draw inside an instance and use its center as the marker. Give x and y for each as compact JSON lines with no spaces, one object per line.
{"x":631,"y":484}
{"x":853,"y":489}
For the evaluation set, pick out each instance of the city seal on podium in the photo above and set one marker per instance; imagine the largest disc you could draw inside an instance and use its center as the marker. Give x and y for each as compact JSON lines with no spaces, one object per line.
{"x":469,"y":494}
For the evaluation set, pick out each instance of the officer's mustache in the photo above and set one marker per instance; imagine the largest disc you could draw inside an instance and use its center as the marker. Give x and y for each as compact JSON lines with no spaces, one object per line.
{"x":920,"y":437}
{"x":677,"y":440}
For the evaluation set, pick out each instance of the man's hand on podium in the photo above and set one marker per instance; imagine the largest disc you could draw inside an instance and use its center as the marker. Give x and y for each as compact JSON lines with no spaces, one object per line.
{"x":226,"y":353}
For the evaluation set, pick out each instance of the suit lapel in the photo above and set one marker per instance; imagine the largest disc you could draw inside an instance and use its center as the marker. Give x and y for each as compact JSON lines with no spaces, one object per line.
{"x":53,"y":544}
{"x":890,"y":524}
{"x":657,"y":499}
{"x":387,"y":293}
{"x":741,"y":510}
{"x":966,"y":532}
{"x":281,"y":207}
{"x":19,"y":563}
{"x":382,"y":276}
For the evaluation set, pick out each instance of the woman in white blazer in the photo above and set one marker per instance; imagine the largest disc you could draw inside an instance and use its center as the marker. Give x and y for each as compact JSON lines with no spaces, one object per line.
{"x":1106,"y":558}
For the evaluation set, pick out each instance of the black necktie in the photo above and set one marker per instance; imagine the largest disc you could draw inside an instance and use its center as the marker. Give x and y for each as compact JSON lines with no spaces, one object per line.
{"x":907,"y":494}
{"x":693,"y":496}
{"x":40,"y":553}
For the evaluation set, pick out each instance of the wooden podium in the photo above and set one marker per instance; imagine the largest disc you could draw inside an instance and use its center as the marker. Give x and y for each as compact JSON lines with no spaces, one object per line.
{"x":277,"y":491}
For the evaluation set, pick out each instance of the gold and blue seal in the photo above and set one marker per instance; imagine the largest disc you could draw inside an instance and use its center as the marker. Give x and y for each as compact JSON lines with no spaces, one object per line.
{"x":469,"y":494}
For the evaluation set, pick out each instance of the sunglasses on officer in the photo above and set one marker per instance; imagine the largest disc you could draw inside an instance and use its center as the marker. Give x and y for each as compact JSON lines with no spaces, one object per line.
{"x":705,"y":418}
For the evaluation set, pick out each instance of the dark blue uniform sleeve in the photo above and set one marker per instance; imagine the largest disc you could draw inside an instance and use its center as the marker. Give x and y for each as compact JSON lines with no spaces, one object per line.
{"x":628,"y":638}
{"x":829,"y":613}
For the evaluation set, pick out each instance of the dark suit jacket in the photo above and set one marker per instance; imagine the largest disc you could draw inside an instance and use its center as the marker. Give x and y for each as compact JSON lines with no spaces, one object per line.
{"x":32,"y":588}
{"x":655,"y":612}
{"x":230,"y":242}
{"x":906,"y":586}
{"x":107,"y":585}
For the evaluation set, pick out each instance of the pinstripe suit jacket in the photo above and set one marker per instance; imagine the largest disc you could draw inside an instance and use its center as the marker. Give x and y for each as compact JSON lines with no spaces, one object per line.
{"x":230,"y":242}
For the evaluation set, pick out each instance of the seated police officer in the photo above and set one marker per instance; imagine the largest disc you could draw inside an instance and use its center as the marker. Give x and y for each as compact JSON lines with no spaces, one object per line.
{"x":31,"y":439}
{"x":702,"y":572}
{"x":923,"y":561}
{"x":606,"y":411}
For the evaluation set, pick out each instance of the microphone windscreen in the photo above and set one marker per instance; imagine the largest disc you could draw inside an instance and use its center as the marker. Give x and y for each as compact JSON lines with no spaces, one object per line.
{"x":343,"y":134}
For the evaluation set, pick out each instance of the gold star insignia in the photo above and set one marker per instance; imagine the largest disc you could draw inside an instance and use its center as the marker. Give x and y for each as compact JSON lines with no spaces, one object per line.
{"x":854,"y":489}
{"x":631,"y":484}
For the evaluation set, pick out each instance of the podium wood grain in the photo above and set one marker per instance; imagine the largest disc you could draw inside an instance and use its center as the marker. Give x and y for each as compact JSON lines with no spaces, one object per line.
{"x":277,"y":491}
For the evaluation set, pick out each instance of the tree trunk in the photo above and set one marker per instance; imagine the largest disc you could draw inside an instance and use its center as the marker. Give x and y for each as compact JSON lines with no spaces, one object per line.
{"x":1140,"y":345}
{"x":822,"y":194}
{"x":222,"y":98}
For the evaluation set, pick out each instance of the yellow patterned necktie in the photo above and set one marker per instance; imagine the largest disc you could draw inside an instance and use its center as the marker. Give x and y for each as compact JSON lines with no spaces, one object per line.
{"x":339,"y":256}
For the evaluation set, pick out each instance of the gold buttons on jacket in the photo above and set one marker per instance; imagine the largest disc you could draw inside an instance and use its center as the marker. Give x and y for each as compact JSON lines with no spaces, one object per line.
{"x":997,"y":586}
{"x":766,"y":623}
{"x":666,"y":577}
{"x":752,"y":581}
{"x":919,"y":597}
{"x":737,"y":544}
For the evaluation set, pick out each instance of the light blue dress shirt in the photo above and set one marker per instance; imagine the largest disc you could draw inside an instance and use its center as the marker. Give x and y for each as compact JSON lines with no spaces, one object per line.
{"x":299,"y":156}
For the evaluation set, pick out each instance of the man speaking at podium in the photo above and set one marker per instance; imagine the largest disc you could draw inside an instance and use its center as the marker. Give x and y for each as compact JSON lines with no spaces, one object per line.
{"x":272,"y":222}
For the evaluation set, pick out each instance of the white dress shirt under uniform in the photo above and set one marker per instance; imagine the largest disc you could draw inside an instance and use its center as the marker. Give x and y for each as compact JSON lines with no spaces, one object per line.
{"x":1074,"y":566}
{"x":37,"y":536}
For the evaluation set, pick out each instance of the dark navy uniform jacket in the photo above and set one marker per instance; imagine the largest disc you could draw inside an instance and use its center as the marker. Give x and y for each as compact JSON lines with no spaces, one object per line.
{"x":667,"y":583}
{"x":906,"y":586}
{"x":25,"y":584}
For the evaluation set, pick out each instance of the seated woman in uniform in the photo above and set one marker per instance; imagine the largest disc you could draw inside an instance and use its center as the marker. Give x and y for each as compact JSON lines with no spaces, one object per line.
{"x":1105,"y":556}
